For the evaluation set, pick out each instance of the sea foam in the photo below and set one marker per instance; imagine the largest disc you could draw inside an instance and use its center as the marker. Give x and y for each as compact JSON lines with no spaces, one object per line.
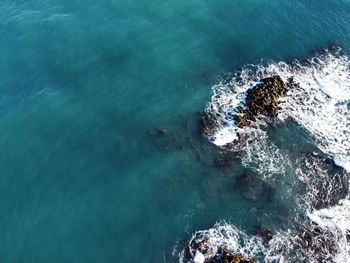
{"x":320,"y":105}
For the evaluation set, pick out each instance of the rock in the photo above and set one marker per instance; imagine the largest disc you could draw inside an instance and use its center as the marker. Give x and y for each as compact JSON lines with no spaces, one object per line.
{"x":326,"y":183}
{"x":227,"y":160}
{"x":158,"y":131}
{"x":254,"y":188}
{"x":200,"y":249}
{"x":201,"y":246}
{"x":161,"y":132}
{"x":265,"y":234}
{"x":208,"y":125}
{"x":291,"y":84}
{"x":318,"y":243}
{"x":348,"y":236}
{"x":261,"y":99}
{"x":334,"y":49}
{"x":223,"y":256}
{"x":331,"y":191}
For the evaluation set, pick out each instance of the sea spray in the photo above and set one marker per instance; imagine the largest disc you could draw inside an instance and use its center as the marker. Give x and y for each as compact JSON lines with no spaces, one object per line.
{"x":318,"y":101}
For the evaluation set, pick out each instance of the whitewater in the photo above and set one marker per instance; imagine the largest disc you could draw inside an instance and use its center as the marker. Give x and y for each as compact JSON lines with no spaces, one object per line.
{"x":318,"y":102}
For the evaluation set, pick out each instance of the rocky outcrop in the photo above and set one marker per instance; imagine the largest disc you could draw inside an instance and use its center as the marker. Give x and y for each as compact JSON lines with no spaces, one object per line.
{"x":223,"y":256}
{"x":318,"y":243}
{"x":226,"y":160}
{"x":208,"y":124}
{"x":253,"y":188}
{"x":265,"y":234}
{"x":324,"y":183}
{"x":261,"y":99}
{"x":158,"y":131}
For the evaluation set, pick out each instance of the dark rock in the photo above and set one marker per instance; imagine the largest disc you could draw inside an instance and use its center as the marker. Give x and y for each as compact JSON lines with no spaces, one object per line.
{"x":326,"y":183}
{"x":348,"y":236}
{"x":158,"y":132}
{"x":331,"y":191}
{"x":318,"y":243}
{"x":227,"y":160}
{"x":333,"y":49}
{"x":208,"y":125}
{"x":291,"y":84}
{"x":308,"y":242}
{"x":265,"y":234}
{"x":161,"y":132}
{"x":201,"y":246}
{"x":223,"y":256}
{"x":261,"y":99}
{"x":254,"y":188}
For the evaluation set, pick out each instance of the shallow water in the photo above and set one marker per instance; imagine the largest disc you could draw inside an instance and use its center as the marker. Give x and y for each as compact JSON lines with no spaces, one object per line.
{"x":85,"y":86}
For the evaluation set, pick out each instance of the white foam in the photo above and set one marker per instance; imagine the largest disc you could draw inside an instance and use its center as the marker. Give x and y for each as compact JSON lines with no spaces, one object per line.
{"x":264,"y":156}
{"x":225,"y":136}
{"x":226,"y":100}
{"x":286,"y":246}
{"x":279,"y":250}
{"x":224,"y":235}
{"x":199,"y":258}
{"x":337,"y":220}
{"x":319,"y":104}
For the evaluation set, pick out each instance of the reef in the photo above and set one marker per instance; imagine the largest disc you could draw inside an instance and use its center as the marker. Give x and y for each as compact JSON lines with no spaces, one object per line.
{"x":254,"y":188}
{"x":261,"y":99}
{"x":265,"y":234}
{"x":223,"y":256}
{"x":319,"y":243}
{"x":158,"y":131}
{"x":226,"y":160}
{"x":208,"y":124}
{"x":327,"y":182}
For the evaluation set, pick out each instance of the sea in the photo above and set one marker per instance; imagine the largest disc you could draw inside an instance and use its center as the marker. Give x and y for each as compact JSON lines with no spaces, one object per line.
{"x":103,"y":156}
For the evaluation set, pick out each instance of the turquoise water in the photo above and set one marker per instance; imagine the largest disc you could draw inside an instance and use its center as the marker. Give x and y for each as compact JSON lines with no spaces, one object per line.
{"x":85,"y":85}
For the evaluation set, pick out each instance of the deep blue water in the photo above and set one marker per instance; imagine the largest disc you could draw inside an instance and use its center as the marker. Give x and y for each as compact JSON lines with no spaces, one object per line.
{"x":84,"y":86}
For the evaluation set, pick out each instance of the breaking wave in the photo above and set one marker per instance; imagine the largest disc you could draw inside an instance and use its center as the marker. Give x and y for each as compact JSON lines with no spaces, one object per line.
{"x":318,"y":239}
{"x":319,"y":103}
{"x":337,"y":220}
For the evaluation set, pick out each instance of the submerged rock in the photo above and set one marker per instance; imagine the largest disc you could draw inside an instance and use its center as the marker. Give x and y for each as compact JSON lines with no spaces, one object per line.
{"x":348,"y":236}
{"x":318,"y":243}
{"x":158,"y":131}
{"x":325,"y":182}
{"x":223,"y":256}
{"x":208,"y":124}
{"x":265,"y":234}
{"x":254,"y":188}
{"x":227,"y":160}
{"x":261,"y":99}
{"x":308,"y":242}
{"x":204,"y":252}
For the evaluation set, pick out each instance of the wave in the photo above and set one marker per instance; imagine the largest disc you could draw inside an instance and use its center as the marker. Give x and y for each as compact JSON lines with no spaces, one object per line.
{"x":320,"y":238}
{"x":336,"y":219}
{"x":319,"y":103}
{"x":205,"y":244}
